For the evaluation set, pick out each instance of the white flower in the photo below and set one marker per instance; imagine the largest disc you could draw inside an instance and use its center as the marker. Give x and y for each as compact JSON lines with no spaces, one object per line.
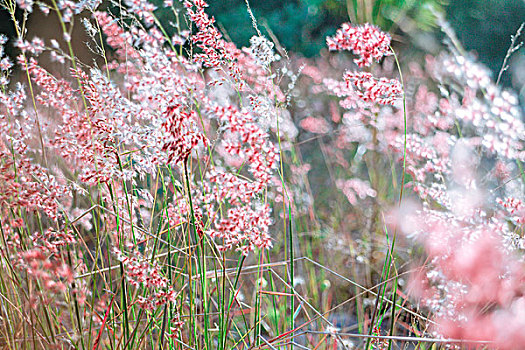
{"x":262,"y":49}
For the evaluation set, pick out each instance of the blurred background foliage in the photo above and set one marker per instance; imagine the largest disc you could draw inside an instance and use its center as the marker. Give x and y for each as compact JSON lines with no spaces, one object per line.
{"x":485,"y":27}
{"x":301,"y":26}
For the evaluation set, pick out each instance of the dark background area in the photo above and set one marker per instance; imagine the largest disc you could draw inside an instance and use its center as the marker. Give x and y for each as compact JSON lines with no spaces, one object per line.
{"x":484,"y":27}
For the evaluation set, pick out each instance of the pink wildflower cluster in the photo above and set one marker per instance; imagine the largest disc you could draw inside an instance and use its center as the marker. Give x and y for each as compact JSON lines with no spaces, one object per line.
{"x":108,"y":129}
{"x":315,"y":125}
{"x":470,"y":267}
{"x":161,"y":80}
{"x":247,"y":221}
{"x":48,"y":262}
{"x":365,"y":97}
{"x":473,"y":242}
{"x":54,"y":275}
{"x":217,"y":52}
{"x":355,"y":189}
{"x":178,"y":213}
{"x":248,"y":141}
{"x":167,"y":82}
{"x":119,"y":39}
{"x":83,"y":139}
{"x":24,"y":183}
{"x":369,"y":89}
{"x":182,"y":133}
{"x":366,"y":41}
{"x":143,"y":273}
{"x":515,"y":209}
{"x":482,"y":106}
{"x":458,"y":122}
{"x":177,"y":137}
{"x":362,"y":91}
{"x":176,"y":326}
{"x":424,"y":163}
{"x":245,"y":228}
{"x":143,"y":9}
{"x":246,"y":68}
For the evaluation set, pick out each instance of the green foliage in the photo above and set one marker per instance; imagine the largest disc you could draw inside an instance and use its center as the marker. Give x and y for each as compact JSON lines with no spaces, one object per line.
{"x":301,"y":26}
{"x":390,"y":14}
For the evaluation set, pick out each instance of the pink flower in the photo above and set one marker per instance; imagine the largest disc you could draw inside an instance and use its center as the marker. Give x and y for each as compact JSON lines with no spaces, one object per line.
{"x":355,"y":189}
{"x":315,"y":125}
{"x":182,"y":133}
{"x":369,"y":89}
{"x":148,"y":275}
{"x":366,"y":41}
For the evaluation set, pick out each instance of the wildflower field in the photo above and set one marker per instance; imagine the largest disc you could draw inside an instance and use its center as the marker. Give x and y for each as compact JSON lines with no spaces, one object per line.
{"x":169,"y":188}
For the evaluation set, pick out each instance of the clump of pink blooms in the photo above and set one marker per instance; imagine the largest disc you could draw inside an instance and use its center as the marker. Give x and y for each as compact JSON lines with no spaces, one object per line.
{"x":474,"y":280}
{"x":366,"y":41}
{"x":315,"y":125}
{"x":355,"y":189}
{"x":369,"y":89}
{"x":362,"y":89}
{"x":514,"y":208}
{"x":148,"y":110}
{"x":48,"y":263}
{"x":367,"y":100}
{"x":147,"y":275}
{"x":471,"y":218}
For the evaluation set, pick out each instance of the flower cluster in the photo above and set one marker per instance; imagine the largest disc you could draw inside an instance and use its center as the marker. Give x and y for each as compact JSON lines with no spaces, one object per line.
{"x":262,"y":50}
{"x":515,"y":209}
{"x":366,"y":41}
{"x":48,"y":262}
{"x":470,"y":268}
{"x":473,"y":241}
{"x":143,"y":273}
{"x":464,"y":137}
{"x":172,"y":145}
{"x":217,"y":52}
{"x":368,"y":121}
{"x":371,"y":90}
{"x":315,"y":125}
{"x":355,"y":189}
{"x":182,"y":133}
{"x":247,"y":222}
